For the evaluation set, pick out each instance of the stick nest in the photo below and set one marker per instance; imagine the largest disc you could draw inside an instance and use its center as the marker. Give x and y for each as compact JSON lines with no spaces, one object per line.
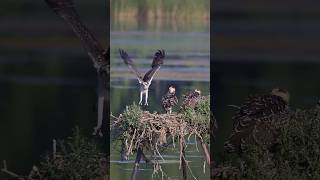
{"x":151,"y":131}
{"x":154,"y":132}
{"x":137,"y":128}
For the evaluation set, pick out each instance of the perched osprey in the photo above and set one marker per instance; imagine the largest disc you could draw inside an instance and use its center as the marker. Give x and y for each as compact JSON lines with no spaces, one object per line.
{"x":191,"y":99}
{"x":144,"y":81}
{"x":169,"y":99}
{"x":259,"y":119}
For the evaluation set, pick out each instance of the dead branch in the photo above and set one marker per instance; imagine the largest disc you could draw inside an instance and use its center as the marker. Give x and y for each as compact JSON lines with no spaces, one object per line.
{"x":10,"y":173}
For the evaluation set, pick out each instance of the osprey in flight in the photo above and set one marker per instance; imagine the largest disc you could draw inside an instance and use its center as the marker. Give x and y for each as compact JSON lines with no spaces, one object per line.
{"x":144,"y":81}
{"x":98,"y":54}
{"x":259,"y":119}
{"x":169,"y":99}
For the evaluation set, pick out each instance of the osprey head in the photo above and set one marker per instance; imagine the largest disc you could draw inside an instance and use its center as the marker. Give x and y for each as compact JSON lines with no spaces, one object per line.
{"x":172,"y":89}
{"x":197,"y":91}
{"x":284,"y":94}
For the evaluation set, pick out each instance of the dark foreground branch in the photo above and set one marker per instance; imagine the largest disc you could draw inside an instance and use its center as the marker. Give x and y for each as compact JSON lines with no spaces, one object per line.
{"x":10,"y":173}
{"x":183,"y":159}
{"x":136,"y":164}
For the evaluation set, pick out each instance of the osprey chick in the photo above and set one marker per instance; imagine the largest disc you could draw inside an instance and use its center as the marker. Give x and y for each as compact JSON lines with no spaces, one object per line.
{"x":191,"y":99}
{"x":259,"y":119}
{"x":169,"y":99}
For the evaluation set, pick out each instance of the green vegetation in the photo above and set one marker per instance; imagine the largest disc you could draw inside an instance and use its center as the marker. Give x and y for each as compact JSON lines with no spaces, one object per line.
{"x":75,"y":158}
{"x":132,"y":114}
{"x":160,"y":15}
{"x":199,"y":117}
{"x":78,"y":158}
{"x":295,"y":157}
{"x":161,"y":8}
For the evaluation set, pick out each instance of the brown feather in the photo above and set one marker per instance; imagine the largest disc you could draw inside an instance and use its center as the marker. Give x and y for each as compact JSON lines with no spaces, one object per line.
{"x":65,"y":9}
{"x":127,"y":60}
{"x":169,"y":100}
{"x":156,"y":63}
{"x":155,"y":66}
{"x":191,"y":99}
{"x":258,"y":121}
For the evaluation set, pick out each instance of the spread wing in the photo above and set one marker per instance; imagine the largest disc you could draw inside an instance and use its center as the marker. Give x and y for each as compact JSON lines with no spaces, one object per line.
{"x":155,"y":66}
{"x":99,"y":56}
{"x":128,"y":61}
{"x":65,"y":9}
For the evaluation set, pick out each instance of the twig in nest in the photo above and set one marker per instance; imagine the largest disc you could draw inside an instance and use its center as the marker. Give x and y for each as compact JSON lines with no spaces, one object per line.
{"x":159,"y":152}
{"x":130,"y":147}
{"x":195,"y":140}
